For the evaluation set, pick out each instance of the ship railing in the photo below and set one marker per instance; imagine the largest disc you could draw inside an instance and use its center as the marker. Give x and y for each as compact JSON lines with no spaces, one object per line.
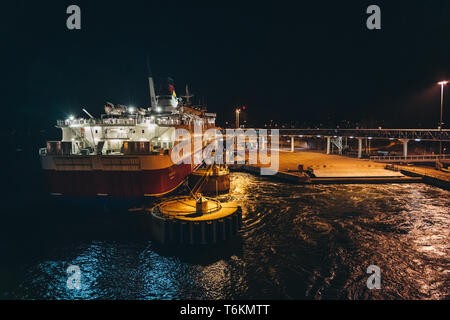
{"x":118,"y":121}
{"x":75,"y":122}
{"x":107,"y":121}
{"x":117,"y":136}
{"x":168,"y":122}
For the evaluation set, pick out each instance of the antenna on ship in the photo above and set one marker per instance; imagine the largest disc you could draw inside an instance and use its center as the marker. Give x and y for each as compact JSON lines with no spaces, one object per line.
{"x":151,"y":85}
{"x":187,"y":96}
{"x":85,"y":111}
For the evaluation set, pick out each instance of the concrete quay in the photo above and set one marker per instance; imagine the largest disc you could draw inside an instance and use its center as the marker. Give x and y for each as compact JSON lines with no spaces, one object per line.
{"x":429,"y":175}
{"x":329,"y":169}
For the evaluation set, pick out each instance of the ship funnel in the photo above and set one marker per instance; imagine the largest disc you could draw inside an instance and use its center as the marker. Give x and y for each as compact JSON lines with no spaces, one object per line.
{"x":167,"y":98}
{"x":151,"y":85}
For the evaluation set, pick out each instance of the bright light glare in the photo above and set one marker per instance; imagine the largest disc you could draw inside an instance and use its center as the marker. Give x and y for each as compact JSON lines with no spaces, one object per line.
{"x":441,"y":83}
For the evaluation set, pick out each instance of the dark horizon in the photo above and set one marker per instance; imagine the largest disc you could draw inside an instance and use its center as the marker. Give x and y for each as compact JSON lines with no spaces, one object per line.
{"x":311,"y":65}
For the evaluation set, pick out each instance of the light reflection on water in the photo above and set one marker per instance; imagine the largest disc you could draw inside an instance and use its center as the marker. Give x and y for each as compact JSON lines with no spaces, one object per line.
{"x":297,"y":242}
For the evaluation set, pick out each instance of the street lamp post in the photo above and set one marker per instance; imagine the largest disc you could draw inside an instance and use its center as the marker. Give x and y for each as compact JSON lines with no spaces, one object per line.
{"x":237,"y":118}
{"x":442,"y":84}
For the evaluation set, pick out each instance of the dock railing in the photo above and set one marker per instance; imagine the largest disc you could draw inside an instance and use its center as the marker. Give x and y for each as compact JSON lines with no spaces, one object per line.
{"x":412,"y":158}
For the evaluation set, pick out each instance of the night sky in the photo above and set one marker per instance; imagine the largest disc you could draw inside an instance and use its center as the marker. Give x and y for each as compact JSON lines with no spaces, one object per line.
{"x":313,"y":63}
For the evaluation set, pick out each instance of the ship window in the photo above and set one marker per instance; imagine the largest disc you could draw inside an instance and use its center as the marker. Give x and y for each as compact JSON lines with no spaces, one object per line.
{"x":96,"y":131}
{"x":143,"y":131}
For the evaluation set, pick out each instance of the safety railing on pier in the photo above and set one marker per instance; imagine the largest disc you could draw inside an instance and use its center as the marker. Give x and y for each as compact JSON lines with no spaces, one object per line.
{"x":425,"y":157}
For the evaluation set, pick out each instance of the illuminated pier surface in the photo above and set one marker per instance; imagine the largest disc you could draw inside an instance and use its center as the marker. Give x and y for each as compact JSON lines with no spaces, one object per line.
{"x":335,"y":166}
{"x":329,"y":165}
{"x":330,"y":169}
{"x":425,"y":171}
{"x":336,"y":169}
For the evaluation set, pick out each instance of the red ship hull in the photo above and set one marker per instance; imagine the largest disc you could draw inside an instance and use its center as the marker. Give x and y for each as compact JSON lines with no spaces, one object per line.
{"x":117,"y":183}
{"x":120,"y":181}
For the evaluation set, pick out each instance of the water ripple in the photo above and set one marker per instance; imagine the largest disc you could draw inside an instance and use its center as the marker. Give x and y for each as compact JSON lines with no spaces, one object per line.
{"x":297,"y":242}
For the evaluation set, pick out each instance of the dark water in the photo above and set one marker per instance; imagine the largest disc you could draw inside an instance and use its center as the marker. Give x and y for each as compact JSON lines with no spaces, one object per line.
{"x":298,"y":242}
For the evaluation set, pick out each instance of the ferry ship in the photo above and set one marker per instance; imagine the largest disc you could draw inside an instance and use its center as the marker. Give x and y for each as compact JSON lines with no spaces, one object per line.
{"x":126,"y":152}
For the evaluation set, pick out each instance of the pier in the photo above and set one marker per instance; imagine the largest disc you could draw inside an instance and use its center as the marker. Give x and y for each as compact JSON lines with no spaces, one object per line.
{"x":429,"y":175}
{"x":331,"y":165}
{"x":329,"y":169}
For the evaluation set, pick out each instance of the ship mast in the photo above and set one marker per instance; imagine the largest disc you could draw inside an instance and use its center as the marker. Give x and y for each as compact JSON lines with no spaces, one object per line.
{"x":151,"y":85}
{"x":187,"y":96}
